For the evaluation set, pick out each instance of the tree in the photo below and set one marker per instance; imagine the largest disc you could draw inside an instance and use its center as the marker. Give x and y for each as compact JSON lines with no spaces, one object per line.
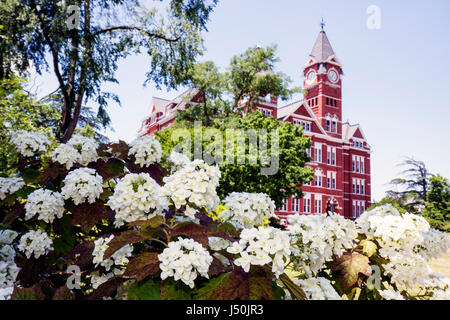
{"x":437,"y":209}
{"x":414,"y":183}
{"x":20,"y":111}
{"x":248,"y":78}
{"x":247,"y":177}
{"x":86,"y":40}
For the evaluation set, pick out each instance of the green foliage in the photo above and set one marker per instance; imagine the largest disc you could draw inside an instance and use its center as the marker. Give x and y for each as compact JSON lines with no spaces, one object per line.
{"x":437,"y":207}
{"x":248,"y":78}
{"x":20,"y":111}
{"x":85,"y":46}
{"x":397,"y":203}
{"x":247,"y":177}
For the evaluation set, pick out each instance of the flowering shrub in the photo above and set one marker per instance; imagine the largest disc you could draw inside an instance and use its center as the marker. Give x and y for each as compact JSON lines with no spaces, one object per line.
{"x":133,"y":220}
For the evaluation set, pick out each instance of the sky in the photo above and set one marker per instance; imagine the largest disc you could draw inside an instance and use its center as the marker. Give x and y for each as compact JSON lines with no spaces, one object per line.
{"x":396,"y":81}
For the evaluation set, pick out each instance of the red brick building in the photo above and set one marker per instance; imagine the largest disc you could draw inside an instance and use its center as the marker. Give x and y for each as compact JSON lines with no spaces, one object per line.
{"x":340,"y":154}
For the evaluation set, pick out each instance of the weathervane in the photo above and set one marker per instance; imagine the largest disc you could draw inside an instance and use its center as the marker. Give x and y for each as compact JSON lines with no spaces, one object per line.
{"x":322,"y":24}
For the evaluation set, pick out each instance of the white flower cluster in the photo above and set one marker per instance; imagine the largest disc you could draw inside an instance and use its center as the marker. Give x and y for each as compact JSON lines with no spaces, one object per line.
{"x":391,"y":295}
{"x":119,"y":258}
{"x":46,"y":203}
{"x":440,"y":285}
{"x":10,"y":185}
{"x":78,"y":149}
{"x":28,"y":143}
{"x":135,"y":196}
{"x":178,"y":160}
{"x":315,"y":238}
{"x":402,"y":239}
{"x":194,"y":184}
{"x":8,"y":268}
{"x":184,"y":260}
{"x":37,"y":242}
{"x":318,"y":288}
{"x":97,"y":280}
{"x":247,"y":210}
{"x":217,"y":243}
{"x":146,"y":149}
{"x":66,"y":155}
{"x":435,"y":244}
{"x":261,"y":246}
{"x":81,"y":185}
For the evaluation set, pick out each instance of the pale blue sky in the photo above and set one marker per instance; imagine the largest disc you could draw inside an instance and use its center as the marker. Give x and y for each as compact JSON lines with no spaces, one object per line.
{"x":396,"y":83}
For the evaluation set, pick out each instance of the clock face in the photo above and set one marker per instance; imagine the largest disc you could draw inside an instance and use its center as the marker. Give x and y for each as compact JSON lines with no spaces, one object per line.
{"x":333,"y":76}
{"x":311,"y":75}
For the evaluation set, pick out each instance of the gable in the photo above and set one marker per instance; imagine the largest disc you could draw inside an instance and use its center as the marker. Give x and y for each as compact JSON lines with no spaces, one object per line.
{"x":358,"y":134}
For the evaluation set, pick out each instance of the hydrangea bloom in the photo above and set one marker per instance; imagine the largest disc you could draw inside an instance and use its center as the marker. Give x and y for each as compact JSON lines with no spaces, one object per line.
{"x":193,"y":185}
{"x":46,"y":203}
{"x":217,"y":243}
{"x":316,"y":238}
{"x":184,"y":260}
{"x":440,"y":286}
{"x":146,"y":149}
{"x":178,"y":160}
{"x":37,"y":242}
{"x":82,"y":185}
{"x":86,"y":148}
{"x":391,"y":295}
{"x":247,"y":210}
{"x":8,"y":268}
{"x":120,"y":257}
{"x":406,"y":241}
{"x":260,"y":247}
{"x":97,"y":280}
{"x":9,"y":186}
{"x":28,"y":143}
{"x":65,"y":155}
{"x":318,"y":288}
{"x":134,"y":197}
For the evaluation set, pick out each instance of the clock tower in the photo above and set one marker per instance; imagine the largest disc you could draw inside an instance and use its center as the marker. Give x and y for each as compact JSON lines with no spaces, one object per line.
{"x":322,"y":81}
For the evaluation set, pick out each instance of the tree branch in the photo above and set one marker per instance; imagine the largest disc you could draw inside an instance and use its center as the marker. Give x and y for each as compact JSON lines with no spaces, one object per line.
{"x":152,"y":35}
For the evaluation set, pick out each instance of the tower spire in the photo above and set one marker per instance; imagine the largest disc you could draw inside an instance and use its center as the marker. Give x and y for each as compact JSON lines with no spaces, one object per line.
{"x":322,"y":24}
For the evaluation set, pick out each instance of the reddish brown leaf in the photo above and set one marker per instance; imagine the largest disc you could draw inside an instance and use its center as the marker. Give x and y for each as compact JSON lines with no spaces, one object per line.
{"x":63,"y":293}
{"x":227,"y":286}
{"x":215,"y":268}
{"x":107,"y":289}
{"x":260,"y":286}
{"x":350,"y":265}
{"x":142,"y":266}
{"x":84,"y":253}
{"x":122,"y":239}
{"x":12,"y":214}
{"x":88,"y":215}
{"x":197,"y":232}
{"x":49,"y":174}
{"x":33,"y":293}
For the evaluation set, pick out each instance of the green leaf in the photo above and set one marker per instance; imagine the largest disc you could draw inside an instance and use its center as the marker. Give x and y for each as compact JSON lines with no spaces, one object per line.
{"x":30,"y":175}
{"x":369,"y":248}
{"x":142,"y":266}
{"x":33,"y":293}
{"x":66,"y":240}
{"x":147,"y":290}
{"x":87,"y":215}
{"x":171,"y":290}
{"x":350,"y":266}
